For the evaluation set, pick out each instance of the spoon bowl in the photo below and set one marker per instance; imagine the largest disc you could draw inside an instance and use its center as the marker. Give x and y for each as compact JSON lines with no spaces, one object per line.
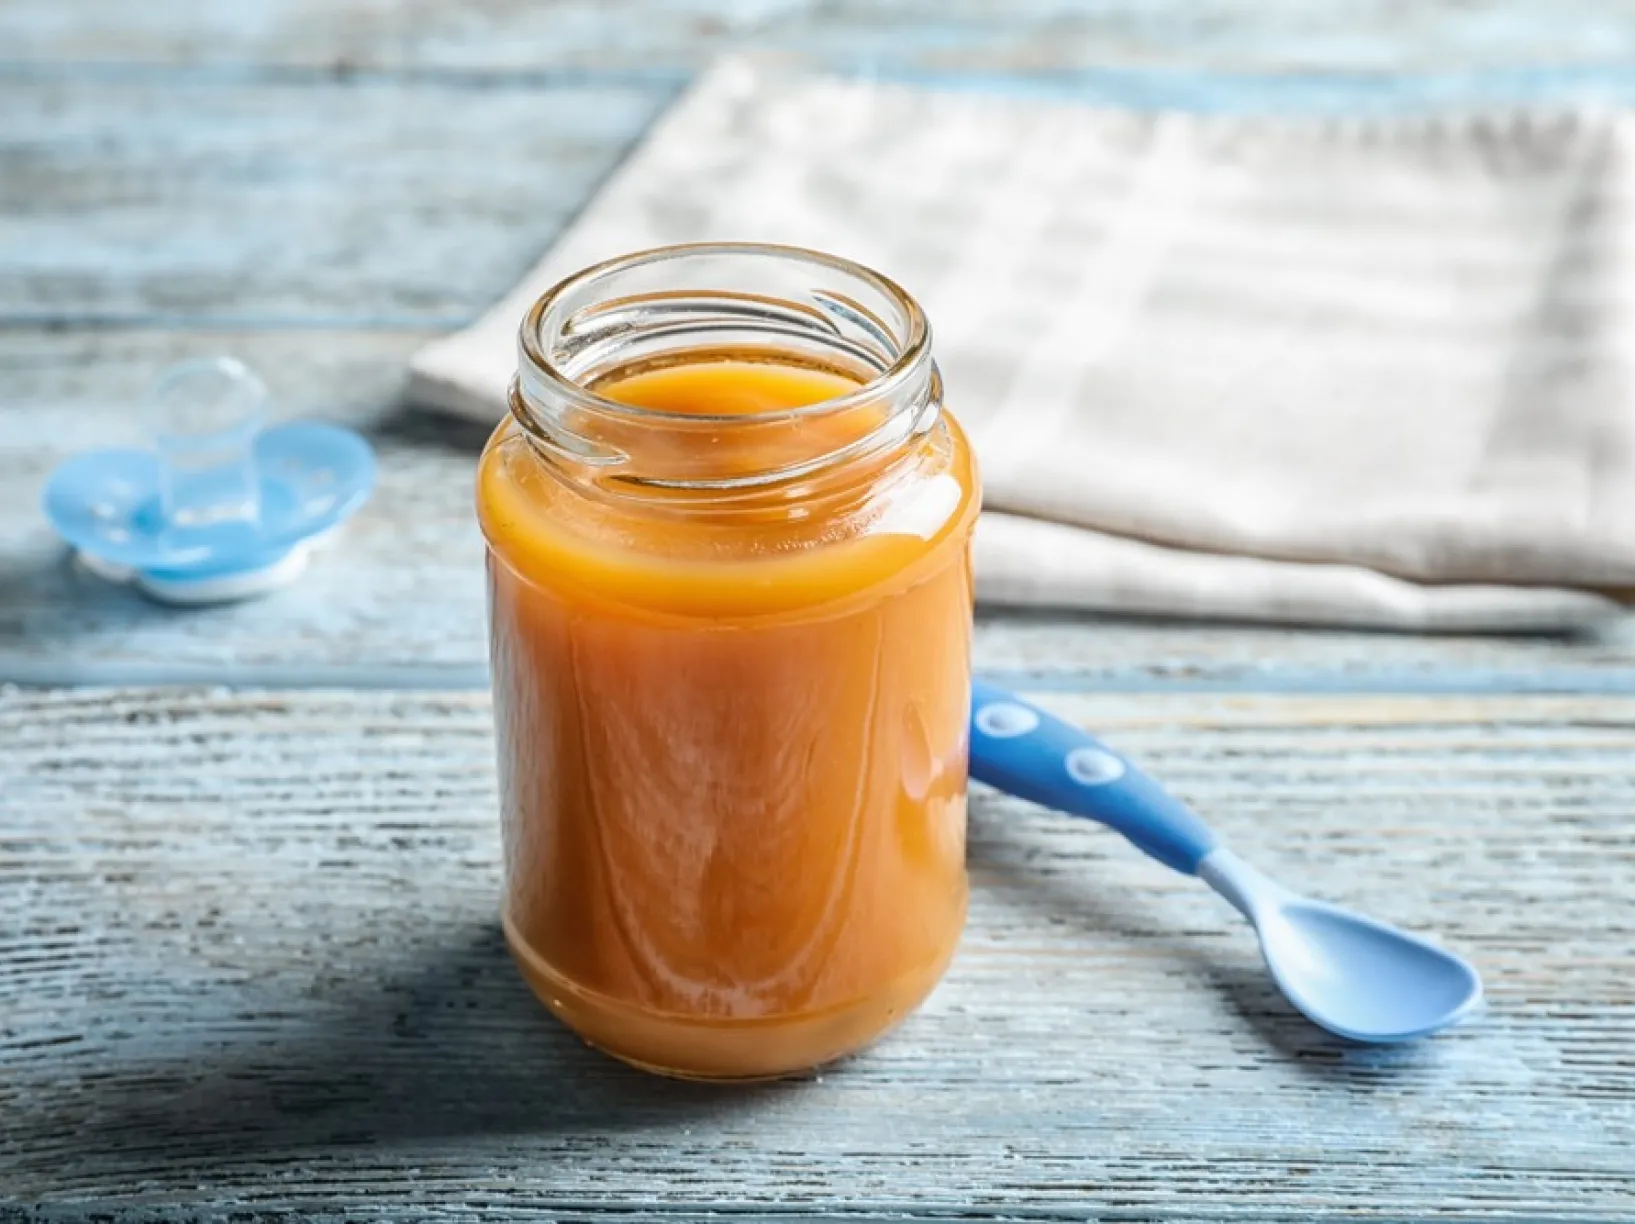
{"x":1357,"y":977}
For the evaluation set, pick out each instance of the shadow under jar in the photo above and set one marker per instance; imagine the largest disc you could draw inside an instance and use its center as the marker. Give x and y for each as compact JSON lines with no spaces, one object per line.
{"x":728,"y":532}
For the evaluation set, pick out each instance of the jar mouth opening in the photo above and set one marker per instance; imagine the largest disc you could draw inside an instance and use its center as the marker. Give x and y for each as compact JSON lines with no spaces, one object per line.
{"x":911,"y":356}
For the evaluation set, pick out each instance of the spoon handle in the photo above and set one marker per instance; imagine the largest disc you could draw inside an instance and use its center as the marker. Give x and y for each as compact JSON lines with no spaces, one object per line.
{"x":1019,"y":748}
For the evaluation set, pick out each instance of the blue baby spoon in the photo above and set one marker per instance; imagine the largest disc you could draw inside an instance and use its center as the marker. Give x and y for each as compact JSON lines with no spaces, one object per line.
{"x":1352,"y":975}
{"x":220,"y":505}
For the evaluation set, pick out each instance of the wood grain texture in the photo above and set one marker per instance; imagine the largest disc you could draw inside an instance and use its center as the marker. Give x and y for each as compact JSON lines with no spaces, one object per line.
{"x":413,"y":196}
{"x":411,"y":204}
{"x":633,"y":36}
{"x":248,"y":965}
{"x":323,"y":225}
{"x":248,"y":962}
{"x":364,"y":614}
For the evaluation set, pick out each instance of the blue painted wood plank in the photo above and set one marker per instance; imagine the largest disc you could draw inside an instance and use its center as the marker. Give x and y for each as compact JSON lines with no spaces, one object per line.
{"x":344,"y":204}
{"x":1365,"y":37}
{"x":249,"y":965}
{"x":250,"y":207}
{"x":297,"y":183}
{"x":247,"y":962}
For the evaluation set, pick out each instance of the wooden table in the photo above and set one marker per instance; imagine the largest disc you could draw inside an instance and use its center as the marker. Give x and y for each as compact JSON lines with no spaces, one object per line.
{"x":248,"y":959}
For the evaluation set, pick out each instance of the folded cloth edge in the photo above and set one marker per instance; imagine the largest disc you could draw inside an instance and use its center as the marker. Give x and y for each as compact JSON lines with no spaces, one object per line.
{"x":467,"y":373}
{"x":1093,"y":571}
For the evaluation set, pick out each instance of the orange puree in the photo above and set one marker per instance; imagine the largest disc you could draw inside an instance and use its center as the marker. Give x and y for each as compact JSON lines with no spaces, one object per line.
{"x":732,"y":742}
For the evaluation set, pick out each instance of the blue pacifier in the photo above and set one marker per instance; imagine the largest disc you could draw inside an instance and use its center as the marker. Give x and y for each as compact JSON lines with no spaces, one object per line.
{"x":223,"y":506}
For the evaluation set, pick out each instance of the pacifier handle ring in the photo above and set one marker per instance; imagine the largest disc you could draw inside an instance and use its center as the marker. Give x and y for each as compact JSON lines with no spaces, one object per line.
{"x":202,"y":419}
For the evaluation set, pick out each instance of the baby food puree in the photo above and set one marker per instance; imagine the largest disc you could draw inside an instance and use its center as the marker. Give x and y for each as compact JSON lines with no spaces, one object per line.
{"x":732,"y":708}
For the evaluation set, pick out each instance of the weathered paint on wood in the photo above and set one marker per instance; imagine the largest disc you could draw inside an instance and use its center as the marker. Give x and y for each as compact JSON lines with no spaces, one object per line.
{"x":409,"y":205}
{"x":399,"y":599}
{"x":635,"y":37}
{"x":249,"y":965}
{"x":289,"y":218}
{"x":414,"y":198}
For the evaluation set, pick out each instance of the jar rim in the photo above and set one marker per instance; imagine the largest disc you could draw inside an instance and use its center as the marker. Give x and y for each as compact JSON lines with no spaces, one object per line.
{"x":914,"y":355}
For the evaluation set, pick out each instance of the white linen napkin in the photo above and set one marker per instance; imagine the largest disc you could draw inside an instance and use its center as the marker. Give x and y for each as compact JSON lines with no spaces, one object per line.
{"x":1367,"y":372}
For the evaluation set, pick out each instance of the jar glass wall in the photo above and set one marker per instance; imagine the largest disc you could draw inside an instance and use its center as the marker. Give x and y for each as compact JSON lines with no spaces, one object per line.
{"x":728,"y":529}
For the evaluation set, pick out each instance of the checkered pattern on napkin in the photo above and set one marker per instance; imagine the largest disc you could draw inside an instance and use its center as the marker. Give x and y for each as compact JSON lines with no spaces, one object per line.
{"x":1370,"y":372}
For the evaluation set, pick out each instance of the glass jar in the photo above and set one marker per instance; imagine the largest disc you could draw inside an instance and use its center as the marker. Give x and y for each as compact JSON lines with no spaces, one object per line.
{"x":728,"y":530}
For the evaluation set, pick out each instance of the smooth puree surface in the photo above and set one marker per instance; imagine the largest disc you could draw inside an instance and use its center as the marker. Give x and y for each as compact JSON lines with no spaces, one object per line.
{"x":728,"y":386}
{"x":732,"y":750}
